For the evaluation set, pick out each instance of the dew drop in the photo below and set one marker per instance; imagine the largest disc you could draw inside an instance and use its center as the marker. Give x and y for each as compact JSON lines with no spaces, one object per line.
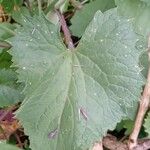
{"x":95,"y":94}
{"x":23,"y":68}
{"x":52,"y":32}
{"x":126,"y":55}
{"x":101,"y":40}
{"x":126,"y":46}
{"x":30,"y":83}
{"x":24,"y":20}
{"x":44,"y":62}
{"x":136,"y":66}
{"x":117,"y":33}
{"x":31,"y":40}
{"x":27,"y":45}
{"x":38,"y":25}
{"x":46,"y":32}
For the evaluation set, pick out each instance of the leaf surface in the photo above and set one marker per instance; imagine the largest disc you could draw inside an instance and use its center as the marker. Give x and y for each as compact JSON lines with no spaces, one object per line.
{"x":4,"y":146}
{"x":74,"y":97}
{"x":138,"y":12}
{"x":83,"y":17}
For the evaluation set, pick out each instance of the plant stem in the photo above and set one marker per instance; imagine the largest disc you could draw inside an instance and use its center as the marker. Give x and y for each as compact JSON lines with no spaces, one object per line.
{"x":39,"y":6}
{"x":143,"y":107}
{"x":65,"y":30}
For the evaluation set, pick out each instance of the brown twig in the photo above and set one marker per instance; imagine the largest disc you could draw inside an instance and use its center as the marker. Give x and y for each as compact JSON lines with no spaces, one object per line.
{"x":110,"y":142}
{"x":65,"y":30}
{"x":143,"y":107}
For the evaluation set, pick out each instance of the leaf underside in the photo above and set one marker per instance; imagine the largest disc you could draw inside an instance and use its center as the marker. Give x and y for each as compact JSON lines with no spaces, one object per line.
{"x":74,"y":97}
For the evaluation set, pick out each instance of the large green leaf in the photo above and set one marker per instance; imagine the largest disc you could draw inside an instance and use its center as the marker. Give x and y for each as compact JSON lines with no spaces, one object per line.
{"x":138,"y":12}
{"x":4,"y":146}
{"x":83,"y":17}
{"x":74,"y":97}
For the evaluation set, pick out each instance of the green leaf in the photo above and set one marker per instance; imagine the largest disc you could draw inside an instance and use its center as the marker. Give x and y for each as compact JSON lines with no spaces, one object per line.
{"x":127,"y":125}
{"x":83,"y":17}
{"x":4,"y":146}
{"x":9,"y":89}
{"x":9,"y":5}
{"x":138,"y":12}
{"x":6,"y":30}
{"x":147,"y":124}
{"x":146,"y":1}
{"x":20,"y":14}
{"x":9,"y":93}
{"x":5,"y":60}
{"x":74,"y":97}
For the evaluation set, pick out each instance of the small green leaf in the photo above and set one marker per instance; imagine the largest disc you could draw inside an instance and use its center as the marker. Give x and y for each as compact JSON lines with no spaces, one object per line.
{"x":74,"y":97}
{"x":147,"y":124}
{"x":4,"y":146}
{"x":83,"y":17}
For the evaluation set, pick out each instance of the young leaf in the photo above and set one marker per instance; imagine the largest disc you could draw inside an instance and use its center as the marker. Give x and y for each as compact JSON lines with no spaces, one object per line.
{"x":4,"y":146}
{"x":74,"y":97}
{"x":83,"y":17}
{"x":138,"y":12}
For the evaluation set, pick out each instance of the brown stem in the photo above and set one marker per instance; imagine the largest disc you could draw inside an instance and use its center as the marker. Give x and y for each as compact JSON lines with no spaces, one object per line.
{"x":19,"y":141}
{"x":110,"y":142}
{"x":143,"y":107}
{"x":65,"y":30}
